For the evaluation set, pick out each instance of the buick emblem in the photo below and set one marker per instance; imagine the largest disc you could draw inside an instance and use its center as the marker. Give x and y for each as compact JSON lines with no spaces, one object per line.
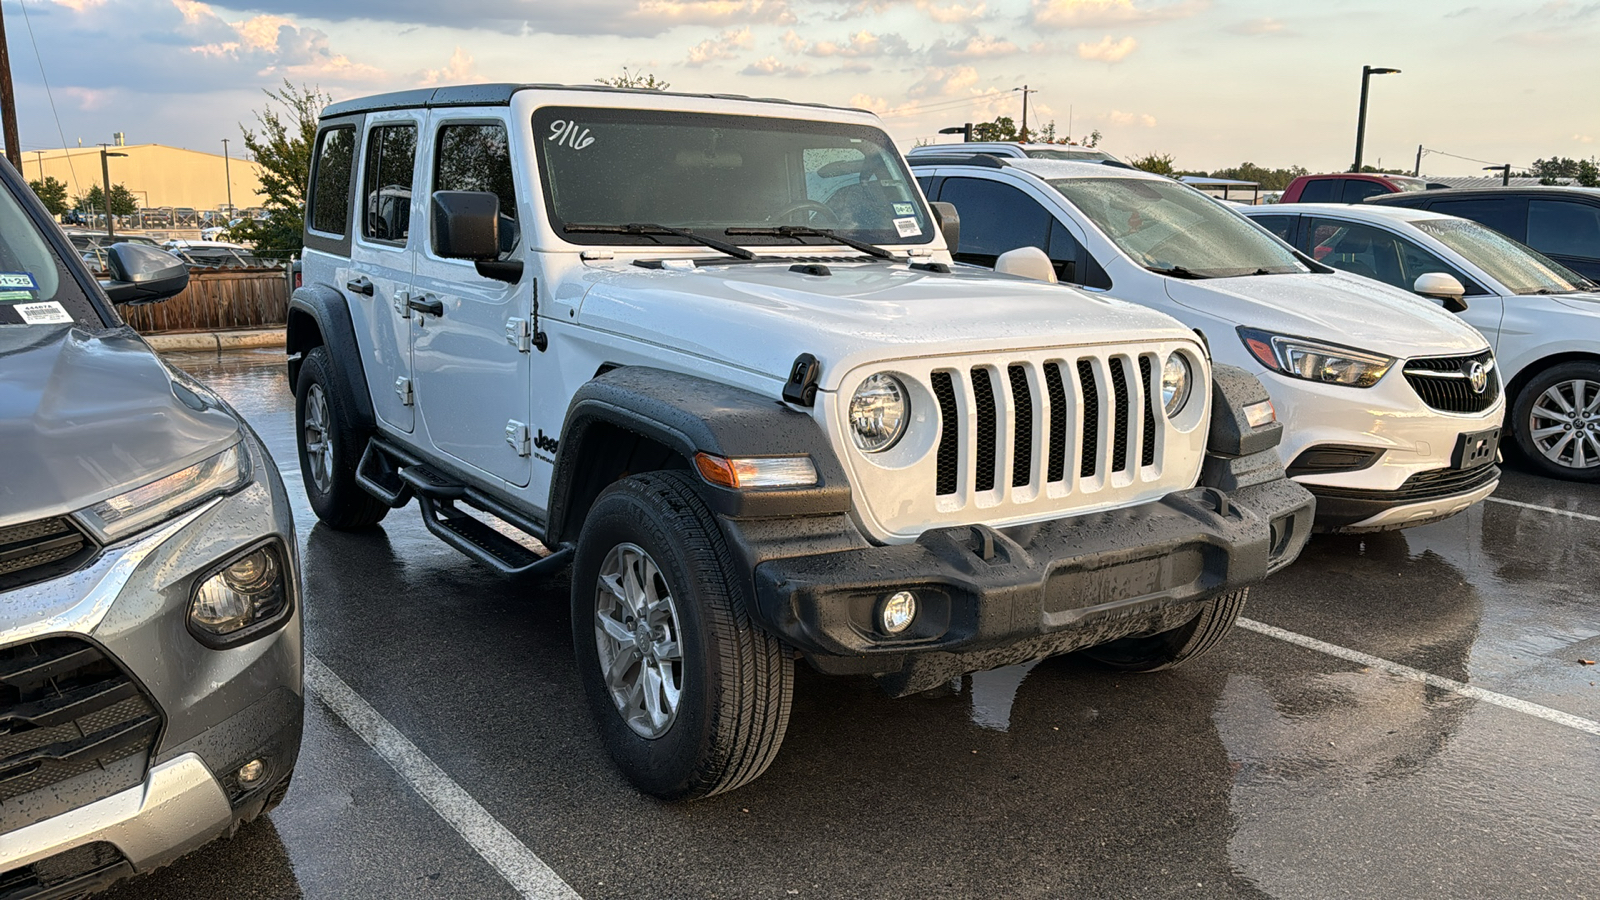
{"x":1478,"y":377}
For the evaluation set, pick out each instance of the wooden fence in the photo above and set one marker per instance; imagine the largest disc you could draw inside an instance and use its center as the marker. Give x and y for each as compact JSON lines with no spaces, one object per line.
{"x":217,"y":300}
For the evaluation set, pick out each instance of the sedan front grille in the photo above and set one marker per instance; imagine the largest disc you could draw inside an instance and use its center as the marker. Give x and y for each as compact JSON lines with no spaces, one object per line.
{"x":1445,"y":383}
{"x":42,"y":549}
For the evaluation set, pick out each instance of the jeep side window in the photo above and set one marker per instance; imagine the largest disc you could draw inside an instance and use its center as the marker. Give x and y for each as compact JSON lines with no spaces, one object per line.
{"x":477,"y":157}
{"x":386,"y":186}
{"x":330,"y":183}
{"x":995,"y":218}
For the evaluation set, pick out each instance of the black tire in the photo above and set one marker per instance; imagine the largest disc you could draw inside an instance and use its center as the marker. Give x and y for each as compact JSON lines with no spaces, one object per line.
{"x":1523,"y":421}
{"x":340,"y":501}
{"x":736,"y":682}
{"x":1153,"y":652}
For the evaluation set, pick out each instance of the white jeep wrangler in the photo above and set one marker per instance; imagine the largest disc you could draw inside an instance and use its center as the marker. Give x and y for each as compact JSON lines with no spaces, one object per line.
{"x":709,"y":351}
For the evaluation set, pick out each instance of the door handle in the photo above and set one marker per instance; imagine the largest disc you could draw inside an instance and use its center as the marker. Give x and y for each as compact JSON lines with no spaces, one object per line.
{"x":431,"y":307}
{"x":361,"y":285}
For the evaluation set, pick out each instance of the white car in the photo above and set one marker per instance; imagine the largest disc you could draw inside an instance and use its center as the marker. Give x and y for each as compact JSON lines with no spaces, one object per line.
{"x":1542,"y":318}
{"x":1013,"y":150}
{"x":1391,"y":406}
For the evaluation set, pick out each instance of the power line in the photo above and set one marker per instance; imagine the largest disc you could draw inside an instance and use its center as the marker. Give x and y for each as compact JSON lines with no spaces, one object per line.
{"x":943,"y":105}
{"x":1487,"y":162}
{"x":36,"y":55}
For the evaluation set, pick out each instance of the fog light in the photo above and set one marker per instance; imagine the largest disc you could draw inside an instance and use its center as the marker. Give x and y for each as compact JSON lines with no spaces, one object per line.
{"x":1259,"y":414}
{"x":898,"y":611}
{"x":251,"y":772}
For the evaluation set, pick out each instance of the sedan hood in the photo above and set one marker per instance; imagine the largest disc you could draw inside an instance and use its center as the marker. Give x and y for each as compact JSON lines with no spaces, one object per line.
{"x":760,"y":316}
{"x":87,"y":416}
{"x":1345,"y":309}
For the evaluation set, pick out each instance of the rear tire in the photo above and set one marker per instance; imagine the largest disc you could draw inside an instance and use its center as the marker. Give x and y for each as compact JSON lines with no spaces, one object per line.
{"x":691,"y":697}
{"x":1548,"y":426}
{"x":1154,"y":652}
{"x":330,"y":448}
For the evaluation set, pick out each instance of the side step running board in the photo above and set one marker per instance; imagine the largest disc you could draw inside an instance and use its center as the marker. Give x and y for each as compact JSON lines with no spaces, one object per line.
{"x":476,"y":539}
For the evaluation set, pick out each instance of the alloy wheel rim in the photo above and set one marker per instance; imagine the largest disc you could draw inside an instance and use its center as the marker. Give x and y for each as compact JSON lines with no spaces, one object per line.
{"x":637,"y":633}
{"x":319,"y":444}
{"x":1564,"y":423}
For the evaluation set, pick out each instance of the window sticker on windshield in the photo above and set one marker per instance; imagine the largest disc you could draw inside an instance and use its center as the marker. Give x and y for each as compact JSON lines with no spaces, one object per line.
{"x":12,"y":296}
{"x":907,"y":227}
{"x":905,"y":209}
{"x":566,"y":134}
{"x":49,"y":313}
{"x":13,"y":280}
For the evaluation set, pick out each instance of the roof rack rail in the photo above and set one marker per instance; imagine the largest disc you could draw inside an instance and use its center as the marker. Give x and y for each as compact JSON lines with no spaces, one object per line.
{"x":976,"y":159}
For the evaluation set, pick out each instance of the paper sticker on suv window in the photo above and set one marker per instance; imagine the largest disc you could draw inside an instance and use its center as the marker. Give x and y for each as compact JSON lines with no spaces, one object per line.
{"x":50,"y":313}
{"x":905,"y":209}
{"x":13,"y":280}
{"x":907,"y":227}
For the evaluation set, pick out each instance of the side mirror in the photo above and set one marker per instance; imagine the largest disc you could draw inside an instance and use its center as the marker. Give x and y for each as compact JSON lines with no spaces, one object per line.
{"x":949,"y":222}
{"x":466,"y":225}
{"x":1444,"y":288}
{"x":143,"y":274}
{"x":1028,"y":262}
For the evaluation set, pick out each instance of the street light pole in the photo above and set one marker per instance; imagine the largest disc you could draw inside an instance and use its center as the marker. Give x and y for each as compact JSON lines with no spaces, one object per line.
{"x":1361,"y":118}
{"x":105,"y":176}
{"x":228,"y":177}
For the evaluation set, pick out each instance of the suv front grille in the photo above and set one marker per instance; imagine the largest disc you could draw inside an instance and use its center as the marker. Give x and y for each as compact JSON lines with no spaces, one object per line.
{"x":66,"y":709}
{"x":1445,"y":383}
{"x":42,"y":549}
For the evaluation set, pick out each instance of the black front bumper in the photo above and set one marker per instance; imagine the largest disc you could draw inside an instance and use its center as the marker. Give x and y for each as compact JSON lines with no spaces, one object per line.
{"x":1338,"y":509}
{"x":1044,"y":588}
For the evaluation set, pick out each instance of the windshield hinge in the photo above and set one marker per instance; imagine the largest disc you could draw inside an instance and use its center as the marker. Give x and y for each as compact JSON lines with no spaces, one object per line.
{"x":597,"y":254}
{"x":517,"y":437}
{"x":801,"y":388}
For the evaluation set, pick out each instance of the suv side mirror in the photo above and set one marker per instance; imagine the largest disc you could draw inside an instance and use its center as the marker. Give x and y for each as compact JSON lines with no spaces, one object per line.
{"x":1028,"y":262}
{"x":1444,"y":288}
{"x":143,"y":274}
{"x":466,"y":225}
{"x":949,"y":222}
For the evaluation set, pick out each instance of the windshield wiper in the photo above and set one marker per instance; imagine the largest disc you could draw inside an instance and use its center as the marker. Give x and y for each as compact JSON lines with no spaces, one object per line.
{"x":1178,"y":272}
{"x":647,"y":229}
{"x":798,"y":231}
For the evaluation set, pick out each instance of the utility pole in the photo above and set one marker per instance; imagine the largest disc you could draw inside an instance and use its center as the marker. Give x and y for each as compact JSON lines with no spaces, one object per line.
{"x":1417,"y":172}
{"x":1023,"y":136}
{"x":228,"y":177}
{"x":8,"y":102}
{"x":105,"y":175}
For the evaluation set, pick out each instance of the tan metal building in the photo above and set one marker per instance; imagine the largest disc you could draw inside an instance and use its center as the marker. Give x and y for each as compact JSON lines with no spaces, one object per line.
{"x":157,"y":175}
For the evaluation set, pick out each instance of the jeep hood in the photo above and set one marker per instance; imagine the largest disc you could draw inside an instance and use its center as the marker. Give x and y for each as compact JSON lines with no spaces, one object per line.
{"x":760,"y":316}
{"x":1344,"y":309}
{"x":84,"y":417}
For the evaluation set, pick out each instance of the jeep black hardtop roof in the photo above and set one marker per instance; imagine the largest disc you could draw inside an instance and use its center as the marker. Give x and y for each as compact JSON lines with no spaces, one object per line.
{"x":500,"y":95}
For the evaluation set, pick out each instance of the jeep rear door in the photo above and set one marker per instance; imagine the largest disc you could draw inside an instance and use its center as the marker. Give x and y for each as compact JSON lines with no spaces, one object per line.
{"x":381,"y":255}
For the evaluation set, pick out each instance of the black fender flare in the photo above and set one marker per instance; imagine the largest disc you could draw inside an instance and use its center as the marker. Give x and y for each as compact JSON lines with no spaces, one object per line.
{"x":324,"y":309}
{"x":689,"y":415}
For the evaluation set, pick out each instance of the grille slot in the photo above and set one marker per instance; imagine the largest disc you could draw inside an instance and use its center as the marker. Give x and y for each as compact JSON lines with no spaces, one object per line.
{"x":1119,"y":431}
{"x":1021,"y":428}
{"x":1147,"y":453}
{"x":42,"y":549}
{"x":67,"y":709}
{"x":1443,"y":383}
{"x":1090,"y":449}
{"x":949,"y":458}
{"x":984,"y":413}
{"x":1057,"y":464}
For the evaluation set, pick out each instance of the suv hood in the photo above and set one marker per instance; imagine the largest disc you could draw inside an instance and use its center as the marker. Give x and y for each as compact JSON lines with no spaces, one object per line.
{"x":84,"y":417}
{"x":760,"y":316}
{"x":1345,"y":309}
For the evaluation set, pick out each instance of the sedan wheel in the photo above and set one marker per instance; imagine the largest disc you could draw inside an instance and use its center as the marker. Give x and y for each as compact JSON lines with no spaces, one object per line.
{"x":1564,"y":423}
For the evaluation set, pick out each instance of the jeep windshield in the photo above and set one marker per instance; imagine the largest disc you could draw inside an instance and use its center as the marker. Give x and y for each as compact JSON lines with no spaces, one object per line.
{"x":709,"y":173}
{"x":1176,"y":230}
{"x":37,"y":293}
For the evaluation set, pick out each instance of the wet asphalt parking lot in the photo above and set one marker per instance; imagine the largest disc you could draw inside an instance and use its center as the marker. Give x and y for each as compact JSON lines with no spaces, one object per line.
{"x":1401,"y":715}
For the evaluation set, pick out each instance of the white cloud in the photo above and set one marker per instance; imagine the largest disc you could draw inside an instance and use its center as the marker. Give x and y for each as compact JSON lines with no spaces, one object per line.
{"x":1118,"y":117}
{"x":274,"y":44}
{"x":856,"y":46}
{"x":1583,"y":138}
{"x":979,"y":46}
{"x":1107,"y":50}
{"x":944,"y":82}
{"x":953,"y":13}
{"x":1109,"y":13}
{"x":769,"y":65}
{"x":667,"y":13}
{"x":724,"y":46}
{"x":1267,"y":26}
{"x":457,"y":70}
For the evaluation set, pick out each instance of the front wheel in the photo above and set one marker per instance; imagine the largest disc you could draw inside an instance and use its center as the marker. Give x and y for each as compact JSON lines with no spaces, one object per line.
{"x":1153,"y":652}
{"x":1556,"y":421}
{"x":691,"y":697}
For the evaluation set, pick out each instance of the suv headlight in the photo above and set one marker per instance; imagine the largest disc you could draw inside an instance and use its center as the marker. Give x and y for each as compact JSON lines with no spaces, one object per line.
{"x":159,"y":500}
{"x":1177,"y":379}
{"x":242,"y":599}
{"x":1314,"y":360}
{"x":879,"y":412}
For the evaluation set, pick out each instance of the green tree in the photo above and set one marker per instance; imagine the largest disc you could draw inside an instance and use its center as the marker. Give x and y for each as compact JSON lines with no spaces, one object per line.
{"x":1159,"y":163}
{"x":280,"y":145}
{"x":1268,"y":179}
{"x":122,"y":201}
{"x":1003,"y":128}
{"x":1561,"y":170}
{"x":52,"y":193}
{"x":643,"y":80}
{"x":1588,"y":173}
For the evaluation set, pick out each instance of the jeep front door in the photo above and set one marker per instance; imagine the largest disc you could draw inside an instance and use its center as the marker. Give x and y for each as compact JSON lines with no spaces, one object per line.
{"x":468,"y":347}
{"x":381,"y":255}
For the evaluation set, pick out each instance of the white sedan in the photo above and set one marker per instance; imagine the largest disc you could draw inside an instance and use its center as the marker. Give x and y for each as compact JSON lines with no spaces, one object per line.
{"x":1542,"y":318}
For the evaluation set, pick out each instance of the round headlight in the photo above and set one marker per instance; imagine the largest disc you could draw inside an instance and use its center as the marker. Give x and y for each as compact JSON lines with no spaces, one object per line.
{"x":878,"y":413}
{"x":1176,"y":380}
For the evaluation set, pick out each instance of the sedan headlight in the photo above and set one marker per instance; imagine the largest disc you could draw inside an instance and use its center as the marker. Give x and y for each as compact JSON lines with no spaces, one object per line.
{"x":879,"y":412}
{"x":243,"y":599}
{"x":1177,"y":378}
{"x":1314,"y":360}
{"x":159,"y":500}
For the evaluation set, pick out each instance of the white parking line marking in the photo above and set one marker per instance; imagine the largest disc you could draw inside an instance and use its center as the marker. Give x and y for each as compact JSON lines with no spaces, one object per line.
{"x":518,"y":865}
{"x":1466,"y":690}
{"x":1549,"y":509}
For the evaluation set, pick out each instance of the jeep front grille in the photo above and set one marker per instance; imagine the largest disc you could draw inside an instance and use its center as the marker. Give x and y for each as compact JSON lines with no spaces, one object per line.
{"x":1445,"y":382}
{"x":42,"y":549}
{"x":66,"y":709}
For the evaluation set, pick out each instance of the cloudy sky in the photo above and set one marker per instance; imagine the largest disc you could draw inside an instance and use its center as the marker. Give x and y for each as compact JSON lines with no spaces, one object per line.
{"x":1212,"y":82}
